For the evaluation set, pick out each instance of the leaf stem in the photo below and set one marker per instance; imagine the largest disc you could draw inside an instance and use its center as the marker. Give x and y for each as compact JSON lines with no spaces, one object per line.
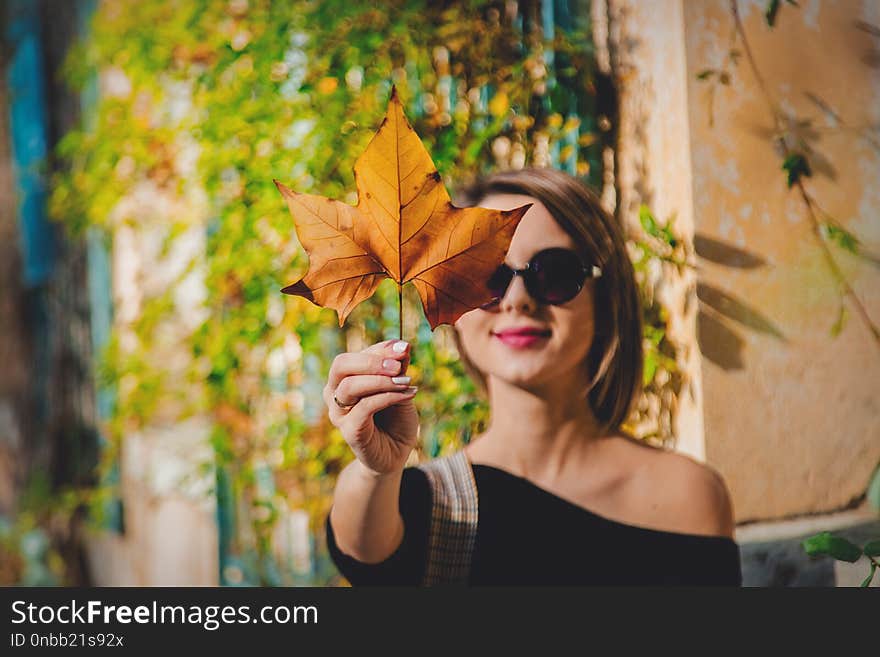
{"x":400,"y":310}
{"x":835,"y":269}
{"x":765,"y":92}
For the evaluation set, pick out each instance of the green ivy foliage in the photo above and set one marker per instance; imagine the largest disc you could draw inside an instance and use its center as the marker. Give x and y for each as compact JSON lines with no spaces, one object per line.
{"x":202,"y":104}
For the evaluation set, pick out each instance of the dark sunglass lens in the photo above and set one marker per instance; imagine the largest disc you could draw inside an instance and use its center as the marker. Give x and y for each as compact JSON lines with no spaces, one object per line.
{"x":558,"y":274}
{"x":499,"y":281}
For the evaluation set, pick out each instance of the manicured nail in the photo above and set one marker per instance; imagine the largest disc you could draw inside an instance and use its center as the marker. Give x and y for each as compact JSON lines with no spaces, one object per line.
{"x":401,"y":379}
{"x":391,"y":365}
{"x":410,"y":391}
{"x":399,"y":346}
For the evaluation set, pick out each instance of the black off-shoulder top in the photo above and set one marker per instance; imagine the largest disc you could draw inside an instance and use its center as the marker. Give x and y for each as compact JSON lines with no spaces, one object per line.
{"x":527,"y":535}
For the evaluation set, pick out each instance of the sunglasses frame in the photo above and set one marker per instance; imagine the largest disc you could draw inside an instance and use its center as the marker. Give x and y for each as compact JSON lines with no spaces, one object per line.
{"x":527,"y":274}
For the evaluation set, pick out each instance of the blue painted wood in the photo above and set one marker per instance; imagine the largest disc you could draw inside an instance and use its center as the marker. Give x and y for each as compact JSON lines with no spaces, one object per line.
{"x":230,"y":568}
{"x":548,"y":21}
{"x":101,"y":307}
{"x":563,"y":19}
{"x":111,"y":514}
{"x":28,"y":126}
{"x":85,"y":9}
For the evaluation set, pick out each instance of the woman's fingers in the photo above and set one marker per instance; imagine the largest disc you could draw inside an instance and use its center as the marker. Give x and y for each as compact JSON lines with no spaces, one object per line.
{"x":383,"y":360}
{"x":366,"y":381}
{"x":376,"y":362}
{"x":353,"y":388}
{"x":360,"y":413}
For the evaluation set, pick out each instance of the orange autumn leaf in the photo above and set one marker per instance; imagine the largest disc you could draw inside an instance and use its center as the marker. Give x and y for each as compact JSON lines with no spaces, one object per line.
{"x":404,"y":227}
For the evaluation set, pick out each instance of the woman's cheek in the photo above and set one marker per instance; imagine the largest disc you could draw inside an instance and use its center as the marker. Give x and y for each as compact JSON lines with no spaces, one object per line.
{"x":472,"y":336}
{"x":465,"y":320}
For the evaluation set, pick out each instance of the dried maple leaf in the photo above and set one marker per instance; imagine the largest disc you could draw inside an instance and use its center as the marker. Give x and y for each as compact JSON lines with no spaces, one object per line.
{"x":404,"y":227}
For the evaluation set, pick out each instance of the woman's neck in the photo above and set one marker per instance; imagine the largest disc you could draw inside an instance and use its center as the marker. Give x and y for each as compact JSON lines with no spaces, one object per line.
{"x":533,"y":432}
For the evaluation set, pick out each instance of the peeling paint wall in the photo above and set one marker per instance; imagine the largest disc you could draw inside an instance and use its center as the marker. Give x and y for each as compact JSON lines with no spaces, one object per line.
{"x":791,"y":413}
{"x":170,"y":534}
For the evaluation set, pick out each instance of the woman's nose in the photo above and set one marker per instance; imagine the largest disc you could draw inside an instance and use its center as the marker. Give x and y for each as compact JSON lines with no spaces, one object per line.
{"x":517,"y":297}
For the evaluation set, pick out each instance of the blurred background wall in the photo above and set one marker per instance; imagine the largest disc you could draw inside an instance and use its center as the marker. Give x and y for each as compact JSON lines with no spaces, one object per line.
{"x":160,"y":411}
{"x":785,"y":403}
{"x":798,"y":392}
{"x":777,"y":387}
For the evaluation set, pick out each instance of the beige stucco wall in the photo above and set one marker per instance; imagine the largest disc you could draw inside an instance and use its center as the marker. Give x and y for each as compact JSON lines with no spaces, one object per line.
{"x":790,"y":415}
{"x":796,"y":427}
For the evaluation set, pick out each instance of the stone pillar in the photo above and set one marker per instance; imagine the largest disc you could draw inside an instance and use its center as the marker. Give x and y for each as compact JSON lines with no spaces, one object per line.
{"x":646,"y":44}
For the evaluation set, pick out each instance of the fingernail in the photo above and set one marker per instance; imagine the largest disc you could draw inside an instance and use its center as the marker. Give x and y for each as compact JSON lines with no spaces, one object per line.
{"x":411,"y":390}
{"x":399,"y":346}
{"x":401,"y":379}
{"x":391,"y":365}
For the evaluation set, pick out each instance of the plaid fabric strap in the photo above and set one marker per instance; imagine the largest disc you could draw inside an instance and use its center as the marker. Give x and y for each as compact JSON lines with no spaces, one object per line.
{"x":453,"y":519}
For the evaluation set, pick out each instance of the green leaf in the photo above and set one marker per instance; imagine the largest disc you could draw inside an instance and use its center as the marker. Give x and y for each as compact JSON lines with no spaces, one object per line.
{"x":650,"y":368}
{"x":833,"y":546}
{"x":867,"y":580}
{"x":796,"y":165}
{"x":771,"y":11}
{"x":872,"y":548}
{"x":647,"y":220}
{"x":841,"y":320}
{"x":654,"y":335}
{"x":668,"y":235}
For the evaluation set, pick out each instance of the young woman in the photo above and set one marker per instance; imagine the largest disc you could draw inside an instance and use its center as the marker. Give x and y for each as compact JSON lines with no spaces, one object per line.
{"x":560,"y":494}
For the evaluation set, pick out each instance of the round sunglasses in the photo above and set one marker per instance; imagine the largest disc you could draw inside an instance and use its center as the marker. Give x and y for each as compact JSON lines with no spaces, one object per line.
{"x":553,"y":276}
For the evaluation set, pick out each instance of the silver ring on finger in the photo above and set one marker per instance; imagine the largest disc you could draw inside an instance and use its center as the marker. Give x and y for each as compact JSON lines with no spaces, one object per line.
{"x":345,"y":406}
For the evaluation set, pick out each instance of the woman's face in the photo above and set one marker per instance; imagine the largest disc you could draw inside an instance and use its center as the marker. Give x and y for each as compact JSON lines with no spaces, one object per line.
{"x":557,"y":359}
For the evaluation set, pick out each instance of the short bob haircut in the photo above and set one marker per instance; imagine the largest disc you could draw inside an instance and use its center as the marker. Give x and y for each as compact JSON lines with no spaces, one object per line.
{"x":614,"y":361}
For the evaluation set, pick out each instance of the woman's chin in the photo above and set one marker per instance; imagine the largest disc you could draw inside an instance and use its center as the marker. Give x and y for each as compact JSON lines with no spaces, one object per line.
{"x":522,"y":376}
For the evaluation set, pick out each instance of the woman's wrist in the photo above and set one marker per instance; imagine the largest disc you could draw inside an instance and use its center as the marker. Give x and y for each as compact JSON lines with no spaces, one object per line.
{"x":371,"y":475}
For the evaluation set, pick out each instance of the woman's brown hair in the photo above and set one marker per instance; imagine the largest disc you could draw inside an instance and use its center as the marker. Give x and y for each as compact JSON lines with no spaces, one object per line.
{"x":614,"y":361}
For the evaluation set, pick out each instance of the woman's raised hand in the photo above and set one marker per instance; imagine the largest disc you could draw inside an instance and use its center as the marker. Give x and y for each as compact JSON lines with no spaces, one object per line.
{"x":382,"y":425}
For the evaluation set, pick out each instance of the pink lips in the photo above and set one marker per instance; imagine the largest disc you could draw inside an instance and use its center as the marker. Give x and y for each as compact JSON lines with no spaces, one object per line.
{"x":522,"y":338}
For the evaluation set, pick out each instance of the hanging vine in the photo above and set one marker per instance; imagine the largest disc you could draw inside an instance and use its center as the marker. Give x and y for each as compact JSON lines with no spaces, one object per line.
{"x":202,"y":104}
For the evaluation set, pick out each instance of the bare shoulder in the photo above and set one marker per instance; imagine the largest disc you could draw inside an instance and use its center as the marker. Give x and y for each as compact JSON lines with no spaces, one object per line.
{"x":683,"y":494}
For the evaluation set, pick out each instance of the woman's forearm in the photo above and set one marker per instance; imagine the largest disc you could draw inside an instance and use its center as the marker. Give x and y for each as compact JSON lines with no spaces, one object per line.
{"x":365,"y":514}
